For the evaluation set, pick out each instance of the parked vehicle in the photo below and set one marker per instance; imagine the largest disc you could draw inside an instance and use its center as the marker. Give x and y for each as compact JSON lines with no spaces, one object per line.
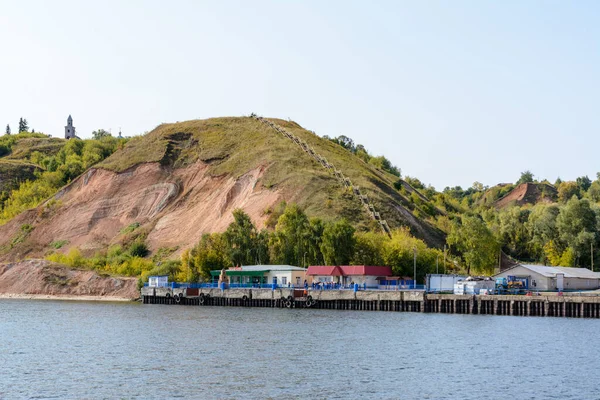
{"x":511,"y":285}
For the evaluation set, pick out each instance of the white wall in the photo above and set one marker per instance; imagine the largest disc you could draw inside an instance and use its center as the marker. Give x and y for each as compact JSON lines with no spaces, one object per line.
{"x":295,"y":278}
{"x":370,"y":280}
{"x":581,"y":284}
{"x":545,"y":283}
{"x":541,"y":281}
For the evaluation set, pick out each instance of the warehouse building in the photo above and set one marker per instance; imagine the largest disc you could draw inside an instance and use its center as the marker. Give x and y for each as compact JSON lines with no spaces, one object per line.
{"x":540,"y":277}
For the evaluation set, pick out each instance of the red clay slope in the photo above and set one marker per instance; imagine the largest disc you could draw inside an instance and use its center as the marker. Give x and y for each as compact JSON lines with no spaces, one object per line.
{"x":528,"y":193}
{"x":40,"y":277}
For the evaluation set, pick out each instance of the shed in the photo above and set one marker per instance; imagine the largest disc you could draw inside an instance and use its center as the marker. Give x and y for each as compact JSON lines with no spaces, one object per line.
{"x":158,"y":281}
{"x":541,"y":277}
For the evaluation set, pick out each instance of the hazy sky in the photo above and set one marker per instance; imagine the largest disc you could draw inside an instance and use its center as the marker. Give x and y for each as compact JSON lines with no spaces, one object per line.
{"x":452,"y":91}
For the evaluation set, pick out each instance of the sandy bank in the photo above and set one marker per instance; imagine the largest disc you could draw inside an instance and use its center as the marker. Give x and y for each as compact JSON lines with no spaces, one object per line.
{"x":41,"y":279}
{"x":4,"y":296}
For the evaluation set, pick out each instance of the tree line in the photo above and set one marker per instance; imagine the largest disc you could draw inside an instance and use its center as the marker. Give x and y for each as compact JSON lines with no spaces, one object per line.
{"x":563,"y":228}
{"x":292,"y":238}
{"x":55,"y":170}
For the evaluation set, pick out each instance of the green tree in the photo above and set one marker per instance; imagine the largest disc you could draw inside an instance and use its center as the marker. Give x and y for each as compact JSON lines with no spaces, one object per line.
{"x":566,"y":190}
{"x":593,"y":192}
{"x":338,"y":242}
{"x":383,"y":163}
{"x":478,"y":186}
{"x":584,"y":183}
{"x":576,"y":224}
{"x":23,"y":126}
{"x":526,"y":177}
{"x":315,"y":238}
{"x":369,"y":248}
{"x":99,"y":134}
{"x":289,"y":241}
{"x":475,"y":242}
{"x":7,"y":129}
{"x":399,"y":253}
{"x":262,"y":247}
{"x":241,"y":239}
{"x":512,"y":231}
{"x":541,"y":229}
{"x":209,"y":254}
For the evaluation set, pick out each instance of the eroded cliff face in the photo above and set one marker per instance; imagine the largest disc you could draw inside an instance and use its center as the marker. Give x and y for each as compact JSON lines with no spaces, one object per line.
{"x":41,"y":277}
{"x":174,"y":207}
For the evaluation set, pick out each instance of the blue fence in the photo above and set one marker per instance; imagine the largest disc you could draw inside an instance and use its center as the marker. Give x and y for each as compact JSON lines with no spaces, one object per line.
{"x":320,"y":286}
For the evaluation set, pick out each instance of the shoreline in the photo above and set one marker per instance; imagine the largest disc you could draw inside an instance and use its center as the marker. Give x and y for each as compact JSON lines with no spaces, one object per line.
{"x":22,"y":296}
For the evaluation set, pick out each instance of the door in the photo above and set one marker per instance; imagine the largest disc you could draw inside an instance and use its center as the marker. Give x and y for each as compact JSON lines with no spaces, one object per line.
{"x":560,"y":282}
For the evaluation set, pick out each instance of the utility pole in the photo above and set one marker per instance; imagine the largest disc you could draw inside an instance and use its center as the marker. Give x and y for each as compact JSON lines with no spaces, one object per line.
{"x":444,"y":258}
{"x":592,"y":251}
{"x":415,"y":271}
{"x":437,"y":264}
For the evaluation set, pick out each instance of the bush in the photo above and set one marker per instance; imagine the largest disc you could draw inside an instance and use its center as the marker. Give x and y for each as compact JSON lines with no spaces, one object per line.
{"x":138,"y":249}
{"x":57,"y":244}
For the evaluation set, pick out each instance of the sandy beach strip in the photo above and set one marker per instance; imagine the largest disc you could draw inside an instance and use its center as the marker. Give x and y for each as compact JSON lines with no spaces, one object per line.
{"x":24,"y":296}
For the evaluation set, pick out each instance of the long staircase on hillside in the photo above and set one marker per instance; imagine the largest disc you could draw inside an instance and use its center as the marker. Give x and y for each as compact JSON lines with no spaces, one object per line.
{"x":345,"y":181}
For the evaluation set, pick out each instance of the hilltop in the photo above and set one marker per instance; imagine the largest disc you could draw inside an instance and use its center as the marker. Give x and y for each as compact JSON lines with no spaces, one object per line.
{"x":184,"y":179}
{"x":528,"y":193}
{"x":15,"y":153}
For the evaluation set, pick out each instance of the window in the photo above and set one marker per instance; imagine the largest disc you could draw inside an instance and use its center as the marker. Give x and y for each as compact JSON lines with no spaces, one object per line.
{"x":284,"y":280}
{"x":298,"y":280}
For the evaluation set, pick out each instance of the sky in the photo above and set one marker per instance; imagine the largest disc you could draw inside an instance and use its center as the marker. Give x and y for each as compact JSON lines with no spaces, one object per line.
{"x":452,"y":92}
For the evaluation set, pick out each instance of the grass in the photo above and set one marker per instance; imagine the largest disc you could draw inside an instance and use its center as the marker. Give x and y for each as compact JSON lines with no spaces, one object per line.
{"x":23,"y":148}
{"x":21,"y":235}
{"x":13,"y":172}
{"x":57,"y":244}
{"x":233,"y":146}
{"x":130,"y":228}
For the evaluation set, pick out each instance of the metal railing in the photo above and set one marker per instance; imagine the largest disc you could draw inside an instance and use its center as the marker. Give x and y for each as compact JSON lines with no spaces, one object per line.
{"x":319,"y":286}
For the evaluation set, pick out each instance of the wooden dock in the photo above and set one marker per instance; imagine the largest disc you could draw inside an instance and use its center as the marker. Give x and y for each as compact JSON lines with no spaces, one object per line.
{"x":576,"y":306}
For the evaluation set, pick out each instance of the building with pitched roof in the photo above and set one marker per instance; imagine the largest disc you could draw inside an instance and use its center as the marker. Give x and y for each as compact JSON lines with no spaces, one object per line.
{"x":541,"y":277}
{"x":255,"y":275}
{"x":348,"y":274}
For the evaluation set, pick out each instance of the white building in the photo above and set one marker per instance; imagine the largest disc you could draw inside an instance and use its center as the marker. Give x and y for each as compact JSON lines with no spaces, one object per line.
{"x":158,"y":281}
{"x":438,"y":283}
{"x":251,"y":275}
{"x":540,"y":277}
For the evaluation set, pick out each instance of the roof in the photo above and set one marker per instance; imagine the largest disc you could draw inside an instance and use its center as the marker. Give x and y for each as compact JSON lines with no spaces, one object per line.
{"x":271,"y":268}
{"x":550,"y":272}
{"x":349,"y":270}
{"x":255,"y":270}
{"x":325,"y":270}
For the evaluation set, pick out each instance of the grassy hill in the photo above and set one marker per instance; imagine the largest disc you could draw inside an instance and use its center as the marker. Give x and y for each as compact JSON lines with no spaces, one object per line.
{"x":183,"y":179}
{"x":233,"y":146}
{"x":15,"y":158}
{"x":528,"y":193}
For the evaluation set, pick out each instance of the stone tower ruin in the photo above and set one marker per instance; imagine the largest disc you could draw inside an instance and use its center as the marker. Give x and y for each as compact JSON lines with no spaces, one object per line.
{"x":70,"y":129}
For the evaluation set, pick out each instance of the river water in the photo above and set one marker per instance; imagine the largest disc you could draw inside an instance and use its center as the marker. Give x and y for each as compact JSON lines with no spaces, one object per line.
{"x":80,"y":350}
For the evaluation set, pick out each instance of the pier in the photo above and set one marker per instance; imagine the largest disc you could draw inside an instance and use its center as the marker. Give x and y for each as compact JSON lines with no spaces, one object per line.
{"x":575,"y":306}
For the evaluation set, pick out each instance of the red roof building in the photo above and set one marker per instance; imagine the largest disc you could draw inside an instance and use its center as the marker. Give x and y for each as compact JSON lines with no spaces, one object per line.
{"x":347,"y":274}
{"x":349,"y":270}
